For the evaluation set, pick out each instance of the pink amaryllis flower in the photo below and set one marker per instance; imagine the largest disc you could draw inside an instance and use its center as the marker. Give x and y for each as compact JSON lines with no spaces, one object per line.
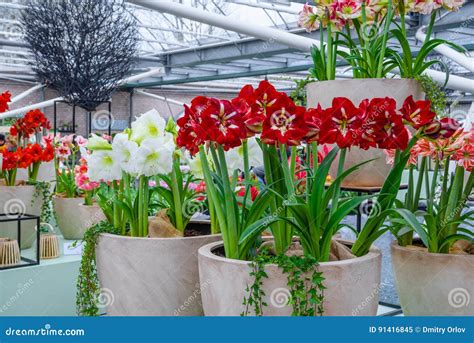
{"x":308,"y":18}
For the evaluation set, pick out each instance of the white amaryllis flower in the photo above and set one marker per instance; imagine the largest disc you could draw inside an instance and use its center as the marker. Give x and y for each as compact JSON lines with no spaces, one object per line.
{"x":98,"y":143}
{"x":149,"y":125}
{"x":103,"y":165}
{"x":154,"y":156}
{"x":195,"y":164}
{"x":235,"y":157}
{"x":125,"y":151}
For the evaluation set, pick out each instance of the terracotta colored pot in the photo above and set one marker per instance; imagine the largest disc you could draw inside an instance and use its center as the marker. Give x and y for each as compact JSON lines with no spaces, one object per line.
{"x":431,"y":284}
{"x":20,"y":199}
{"x":374,"y":173}
{"x":74,"y":218}
{"x":352,"y":285}
{"x":150,"y":276}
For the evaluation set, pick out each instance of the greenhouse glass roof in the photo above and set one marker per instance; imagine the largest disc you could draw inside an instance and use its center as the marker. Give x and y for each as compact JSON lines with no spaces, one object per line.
{"x":194,"y":54}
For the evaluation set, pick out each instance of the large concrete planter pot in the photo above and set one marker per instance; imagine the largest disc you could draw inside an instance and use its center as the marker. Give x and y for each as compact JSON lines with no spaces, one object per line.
{"x":431,"y":284}
{"x":352,"y":285}
{"x":374,"y":173}
{"x":150,"y":276}
{"x":20,"y":199}
{"x":46,"y":172}
{"x":74,"y":218}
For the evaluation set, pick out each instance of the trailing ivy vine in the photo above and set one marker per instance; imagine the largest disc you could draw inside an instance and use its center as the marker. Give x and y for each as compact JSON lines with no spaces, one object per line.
{"x":43,"y":190}
{"x":88,"y":287}
{"x":435,"y":94}
{"x":304,"y":281}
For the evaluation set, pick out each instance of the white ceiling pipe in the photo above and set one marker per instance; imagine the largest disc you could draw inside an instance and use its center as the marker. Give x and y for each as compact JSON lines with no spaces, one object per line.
{"x":26,"y":93}
{"x":23,"y":110}
{"x":266,"y":6}
{"x":461,"y":59}
{"x":271,"y":34}
{"x":49,"y":103}
{"x":171,"y":101}
{"x":144,"y":75}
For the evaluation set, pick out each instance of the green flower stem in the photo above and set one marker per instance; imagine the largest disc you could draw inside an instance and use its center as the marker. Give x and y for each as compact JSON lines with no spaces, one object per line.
{"x":444,"y":187}
{"x":88,"y":198}
{"x":286,"y":170}
{"x":329,"y":65}
{"x":337,"y":189}
{"x":116,"y":208}
{"x":177,"y":195}
{"x":419,"y":183}
{"x":246,"y":171}
{"x":33,"y":172}
{"x":386,"y":29}
{"x":214,"y":200}
{"x":434,"y":181}
{"x":229,"y":204}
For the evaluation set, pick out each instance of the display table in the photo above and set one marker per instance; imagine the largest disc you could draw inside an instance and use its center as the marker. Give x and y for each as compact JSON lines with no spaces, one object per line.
{"x":47,"y":289}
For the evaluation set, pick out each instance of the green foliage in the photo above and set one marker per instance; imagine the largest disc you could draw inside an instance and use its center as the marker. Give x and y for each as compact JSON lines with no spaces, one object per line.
{"x":298,"y":95}
{"x":304,"y":281}
{"x":413,"y":67}
{"x":43,"y":190}
{"x":445,"y":223}
{"x":434,"y":93}
{"x":88,"y":287}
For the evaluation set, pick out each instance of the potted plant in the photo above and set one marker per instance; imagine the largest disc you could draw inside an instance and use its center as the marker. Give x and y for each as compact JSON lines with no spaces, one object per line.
{"x":312,"y":274}
{"x":74,"y":205}
{"x":437,"y":264}
{"x":146,"y":255}
{"x":19,"y":196}
{"x":360,"y":33}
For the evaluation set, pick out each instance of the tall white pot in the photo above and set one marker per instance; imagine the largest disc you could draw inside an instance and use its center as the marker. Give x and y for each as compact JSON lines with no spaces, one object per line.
{"x":74,"y":218}
{"x":150,"y":276}
{"x":352,"y":286}
{"x":374,"y":173}
{"x":20,"y":199}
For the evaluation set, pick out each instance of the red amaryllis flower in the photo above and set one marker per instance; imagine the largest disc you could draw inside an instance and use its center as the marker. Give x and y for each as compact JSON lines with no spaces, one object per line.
{"x":5,"y":98}
{"x":246,"y":105}
{"x":284,"y":123}
{"x":33,"y":122}
{"x":417,"y":113}
{"x":10,"y":159}
{"x":443,"y":128}
{"x":382,"y":127}
{"x":223,"y":123}
{"x":314,"y":119}
{"x":190,"y":133}
{"x":376,"y":114}
{"x":344,"y":123}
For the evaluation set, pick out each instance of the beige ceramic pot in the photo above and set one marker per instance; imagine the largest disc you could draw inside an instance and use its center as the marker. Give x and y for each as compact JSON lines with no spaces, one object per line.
{"x":431,"y":284}
{"x":150,"y":276}
{"x":20,"y":199}
{"x":374,"y":173}
{"x":352,"y":285}
{"x":74,"y":218}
